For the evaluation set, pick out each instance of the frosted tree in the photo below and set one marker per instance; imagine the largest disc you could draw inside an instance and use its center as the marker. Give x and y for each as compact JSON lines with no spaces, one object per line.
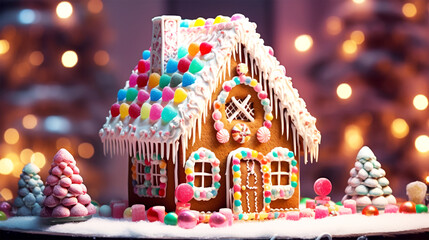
{"x":30,"y":194}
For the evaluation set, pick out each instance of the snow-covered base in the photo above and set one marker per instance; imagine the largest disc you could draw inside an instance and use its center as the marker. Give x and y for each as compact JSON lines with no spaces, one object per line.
{"x":345,"y":225}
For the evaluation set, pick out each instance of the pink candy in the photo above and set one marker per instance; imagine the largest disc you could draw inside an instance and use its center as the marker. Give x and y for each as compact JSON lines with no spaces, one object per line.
{"x":91,"y":209}
{"x":391,"y":208}
{"x":143,"y":96}
{"x":63,"y":156}
{"x":52,"y":180}
{"x":76,"y":179}
{"x":57,"y":171}
{"x":187,"y":220}
{"x":118,"y":209}
{"x":69,"y":201}
{"x":237,"y":16}
{"x":293,"y":215}
{"x":306,"y":213}
{"x":321,"y":212}
{"x":60,"y":211}
{"x":75,"y":189}
{"x":262,"y":95}
{"x":345,"y":211}
{"x":184,"y":193}
{"x":227,"y":212}
{"x":322,"y":187}
{"x":138,"y":212}
{"x":180,"y":206}
{"x":167,"y":94}
{"x":68,"y":172}
{"x":218,"y":125}
{"x":78,"y":210}
{"x":133,"y":80}
{"x":48,"y":190}
{"x":59,"y":191}
{"x":156,"y":214}
{"x":218,"y":220}
{"x":310,"y":204}
{"x":84,"y":199}
{"x":155,"y":112}
{"x":51,"y":201}
{"x":217,"y":115}
{"x":351,"y":204}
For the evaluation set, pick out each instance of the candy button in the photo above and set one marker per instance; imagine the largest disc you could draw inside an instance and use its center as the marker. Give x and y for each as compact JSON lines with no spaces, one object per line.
{"x":122,"y":93}
{"x":171,"y":66}
{"x":123,"y":109}
{"x":176,"y":79}
{"x":322,"y":186}
{"x":134,"y":110}
{"x":114,"y":110}
{"x":180,"y":95}
{"x":168,"y":114}
{"x":164,"y":81}
{"x":184,"y":23}
{"x":155,"y":112}
{"x":167,"y":94}
{"x":154,"y":80}
{"x":196,"y":66}
{"x":183,"y":64}
{"x":188,"y":79}
{"x":155,"y":94}
{"x":146,"y":54}
{"x":182,"y":52}
{"x":131,"y":94}
{"x":145,"y":111}
{"x":205,"y":48}
{"x":193,"y":49}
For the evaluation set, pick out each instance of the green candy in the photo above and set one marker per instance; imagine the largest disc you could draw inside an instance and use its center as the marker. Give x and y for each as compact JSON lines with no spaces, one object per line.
{"x":304,"y":200}
{"x":196,"y":66}
{"x":164,"y":81}
{"x":339,"y":203}
{"x":171,"y":219}
{"x":421,"y":208}
{"x":182,"y":52}
{"x":3,"y":216}
{"x":131,"y":94}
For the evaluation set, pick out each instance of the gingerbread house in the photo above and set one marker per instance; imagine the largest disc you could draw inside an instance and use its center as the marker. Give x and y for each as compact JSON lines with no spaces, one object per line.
{"x":209,"y":105}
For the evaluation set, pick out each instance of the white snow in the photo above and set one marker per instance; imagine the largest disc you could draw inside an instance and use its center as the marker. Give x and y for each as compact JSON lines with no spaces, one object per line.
{"x":356,"y":224}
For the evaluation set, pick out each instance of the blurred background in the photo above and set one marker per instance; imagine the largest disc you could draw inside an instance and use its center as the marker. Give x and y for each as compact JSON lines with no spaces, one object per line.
{"x":362,"y":66}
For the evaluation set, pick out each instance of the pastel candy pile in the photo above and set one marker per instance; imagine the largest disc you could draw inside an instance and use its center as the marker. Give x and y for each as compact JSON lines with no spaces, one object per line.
{"x":66,"y":195}
{"x":30,"y":194}
{"x":368,"y":184}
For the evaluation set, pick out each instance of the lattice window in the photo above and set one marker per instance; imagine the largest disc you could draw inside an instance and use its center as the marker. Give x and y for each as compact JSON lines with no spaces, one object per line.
{"x":203,"y":175}
{"x":240,"y":109}
{"x":149,"y":176}
{"x":280,"y":172}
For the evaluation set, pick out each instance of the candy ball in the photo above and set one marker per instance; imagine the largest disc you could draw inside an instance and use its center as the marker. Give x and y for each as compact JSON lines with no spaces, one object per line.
{"x":407,"y":207}
{"x":3,"y":216}
{"x":183,"y":65}
{"x":205,"y":48}
{"x":217,"y":220}
{"x":105,"y":211}
{"x":143,"y":66}
{"x":421,"y":208}
{"x":128,"y":213}
{"x":133,"y":80}
{"x":187,"y":219}
{"x":370,"y":210}
{"x":134,"y":110}
{"x":142,"y":80}
{"x":188,"y":79}
{"x":322,"y":187}
{"x":184,"y":193}
{"x":122,"y":93}
{"x":237,"y":16}
{"x":6,"y":208}
{"x":171,"y":219}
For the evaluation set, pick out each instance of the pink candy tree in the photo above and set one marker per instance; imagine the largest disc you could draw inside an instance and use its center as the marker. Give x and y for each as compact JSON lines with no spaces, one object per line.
{"x":66,"y":195}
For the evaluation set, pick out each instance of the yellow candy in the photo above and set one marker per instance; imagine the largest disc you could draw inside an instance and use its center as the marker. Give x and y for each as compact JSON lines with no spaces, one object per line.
{"x":237,"y":174}
{"x":254,"y":154}
{"x":238,"y":155}
{"x":220,"y":19}
{"x":253,"y":83}
{"x":265,"y":168}
{"x":154,"y":80}
{"x":251,"y":216}
{"x":191,"y":23}
{"x":188,"y":171}
{"x":162,"y":164}
{"x":263,"y":215}
{"x":180,"y":95}
{"x":267,"y":187}
{"x":294,"y":178}
{"x":193,"y":49}
{"x":237,"y":196}
{"x":269,"y":116}
{"x":123,"y":110}
{"x":243,"y":187}
{"x":199,"y":22}
{"x":145,"y":111}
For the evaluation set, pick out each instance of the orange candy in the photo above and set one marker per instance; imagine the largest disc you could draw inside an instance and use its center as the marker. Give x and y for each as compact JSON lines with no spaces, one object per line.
{"x":193,"y":49}
{"x":260,"y":156}
{"x":217,"y":105}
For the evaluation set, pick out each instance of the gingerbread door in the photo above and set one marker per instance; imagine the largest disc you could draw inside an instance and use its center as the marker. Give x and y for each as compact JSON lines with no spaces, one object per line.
{"x":251,"y":186}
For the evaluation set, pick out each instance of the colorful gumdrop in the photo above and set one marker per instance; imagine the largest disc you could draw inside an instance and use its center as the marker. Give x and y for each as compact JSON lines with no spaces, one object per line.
{"x":146,"y":54}
{"x":134,"y":110}
{"x":196,"y":66}
{"x":168,"y":113}
{"x":145,"y":111}
{"x":155,"y":94}
{"x":142,"y":96}
{"x":188,"y":79}
{"x":171,"y":66}
{"x":193,"y":49}
{"x":183,"y":64}
{"x":155,"y":112}
{"x":182,"y":52}
{"x":164,"y":81}
{"x":184,"y":193}
{"x":123,"y":109}
{"x":154,"y":80}
{"x":122,"y":93}
{"x":176,"y":79}
{"x":114,"y":110}
{"x":133,"y":80}
{"x":237,"y":16}
{"x":142,"y":80}
{"x":171,"y":219}
{"x":180,"y":95}
{"x":131,"y":94}
{"x":205,"y":48}
{"x":167,"y":94}
{"x":199,"y":22}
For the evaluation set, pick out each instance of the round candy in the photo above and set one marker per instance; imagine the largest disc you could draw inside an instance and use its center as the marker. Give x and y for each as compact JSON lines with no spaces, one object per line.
{"x":142,"y":80}
{"x":187,"y":219}
{"x":78,"y":210}
{"x":146,"y":54}
{"x":3,"y":216}
{"x":105,"y":211}
{"x":91,"y":209}
{"x":222,"y":136}
{"x":143,"y":66}
{"x":218,"y":220}
{"x":171,"y":219}
{"x":263,"y":135}
{"x":240,"y":133}
{"x":134,"y":110}
{"x":114,"y":110}
{"x":407,"y":207}
{"x":237,"y":16}
{"x":6,"y":208}
{"x":322,"y":187}
{"x":205,"y":48}
{"x":184,"y":193}
{"x":183,"y":65}
{"x":60,"y":211}
{"x":421,"y":208}
{"x":370,"y":210}
{"x":128,"y":213}
{"x":122,"y":93}
{"x":242,"y":69}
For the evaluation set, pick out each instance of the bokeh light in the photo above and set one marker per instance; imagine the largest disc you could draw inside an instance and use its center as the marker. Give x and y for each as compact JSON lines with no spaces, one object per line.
{"x":38,"y":159}
{"x":422,"y":143}
{"x":353,"y":137}
{"x":101,"y":58}
{"x":344,"y":91}
{"x":334,"y":25}
{"x":11,"y":136}
{"x":69,"y":59}
{"x":6,"y":166}
{"x":399,"y":128}
{"x":95,"y":6}
{"x":420,"y":102}
{"x":357,"y":36}
{"x":6,"y":193}
{"x":409,"y":10}
{"x":26,"y":16}
{"x":36,"y":58}
{"x":63,"y":142}
{"x":4,"y":46}
{"x":303,"y":43}
{"x":29,"y":121}
{"x":85,"y":150}
{"x":427,"y":179}
{"x":64,"y":10}
{"x":358,"y":1}
{"x":349,"y":46}
{"x":25,"y":155}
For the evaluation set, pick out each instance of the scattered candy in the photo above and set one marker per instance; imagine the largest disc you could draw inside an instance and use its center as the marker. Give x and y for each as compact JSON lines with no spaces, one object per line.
{"x":118,"y":209}
{"x":345,"y":211}
{"x":407,"y":207}
{"x":145,"y":111}
{"x":322,"y":187}
{"x":183,"y":65}
{"x":180,"y":95}
{"x":164,"y":81}
{"x":218,"y":220}
{"x":187,"y":220}
{"x":105,"y":211}
{"x":222,"y":136}
{"x":241,"y":133}
{"x":205,"y":48}
{"x":421,"y":208}
{"x":123,"y":110}
{"x":171,"y":219}
{"x":196,"y":66}
{"x":168,"y":113}
{"x":193,"y":49}
{"x":142,"y":80}
{"x":310,"y":203}
{"x":142,"y":96}
{"x":306,"y":213}
{"x":263,"y":135}
{"x":293,"y":215}
{"x":3,"y":216}
{"x":182,"y":52}
{"x":122,"y":93}
{"x":156,"y":214}
{"x":181,"y":206}
{"x":351,"y":204}
{"x":155,"y":94}
{"x":321,"y":212}
{"x":391,"y":208}
{"x":127,"y":213}
{"x":138,"y":212}
{"x":132,"y":80}
{"x":134,"y":110}
{"x":188,"y":79}
{"x":176,"y":79}
{"x":155,"y":112}
{"x":171,"y":66}
{"x":184,"y":192}
{"x":416,"y":192}
{"x":146,"y":54}
{"x":154,"y":80}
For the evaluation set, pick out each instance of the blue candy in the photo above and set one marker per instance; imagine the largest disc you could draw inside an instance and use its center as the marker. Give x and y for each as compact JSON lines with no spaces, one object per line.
{"x":168,"y":113}
{"x":171,"y":66}
{"x":122,"y":93}
{"x":146,"y":54}
{"x":188,"y":79}
{"x":184,"y":23}
{"x":155,"y":94}
{"x":182,"y":52}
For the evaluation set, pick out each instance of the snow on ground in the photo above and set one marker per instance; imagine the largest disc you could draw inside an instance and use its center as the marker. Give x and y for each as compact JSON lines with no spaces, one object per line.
{"x":356,"y":224}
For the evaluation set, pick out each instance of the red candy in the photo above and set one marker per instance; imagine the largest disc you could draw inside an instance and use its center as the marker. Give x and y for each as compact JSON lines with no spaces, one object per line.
{"x":205,"y":48}
{"x":142,"y":80}
{"x":134,"y":110}
{"x":143,"y":66}
{"x":184,"y":192}
{"x":59,"y":191}
{"x":407,"y":207}
{"x":156,"y":213}
{"x":370,"y":210}
{"x":114,"y":110}
{"x":51,"y":201}
{"x":183,"y":64}
{"x":322,"y":187}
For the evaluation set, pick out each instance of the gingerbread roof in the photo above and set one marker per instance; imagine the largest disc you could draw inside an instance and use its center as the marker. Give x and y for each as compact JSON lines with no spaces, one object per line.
{"x":167,"y":109}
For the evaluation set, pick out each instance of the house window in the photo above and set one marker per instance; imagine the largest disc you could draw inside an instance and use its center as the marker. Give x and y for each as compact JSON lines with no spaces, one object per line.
{"x":203,"y":174}
{"x":284,"y":178}
{"x":280,"y":172}
{"x":149,"y":176}
{"x":240,"y":109}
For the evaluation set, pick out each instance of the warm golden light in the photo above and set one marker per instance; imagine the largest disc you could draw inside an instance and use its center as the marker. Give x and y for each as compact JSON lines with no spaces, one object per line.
{"x":409,"y":10}
{"x":11,"y":136}
{"x":6,"y":166}
{"x":357,"y":36}
{"x":17,"y":169}
{"x":427,"y":179}
{"x":63,"y":142}
{"x":353,"y":137}
{"x":95,"y":6}
{"x":303,"y":43}
{"x":422,"y":143}
{"x":64,"y":10}
{"x":13,"y":157}
{"x":25,"y":155}
{"x":69,"y":59}
{"x":358,"y":1}
{"x":4,"y":46}
{"x":334,"y":25}
{"x":344,"y":91}
{"x":101,"y":58}
{"x":399,"y":128}
{"x":85,"y":150}
{"x":349,"y":46}
{"x":29,"y":121}
{"x":36,"y":58}
{"x":6,"y":193}
{"x":38,"y":159}
{"x":420,"y":102}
